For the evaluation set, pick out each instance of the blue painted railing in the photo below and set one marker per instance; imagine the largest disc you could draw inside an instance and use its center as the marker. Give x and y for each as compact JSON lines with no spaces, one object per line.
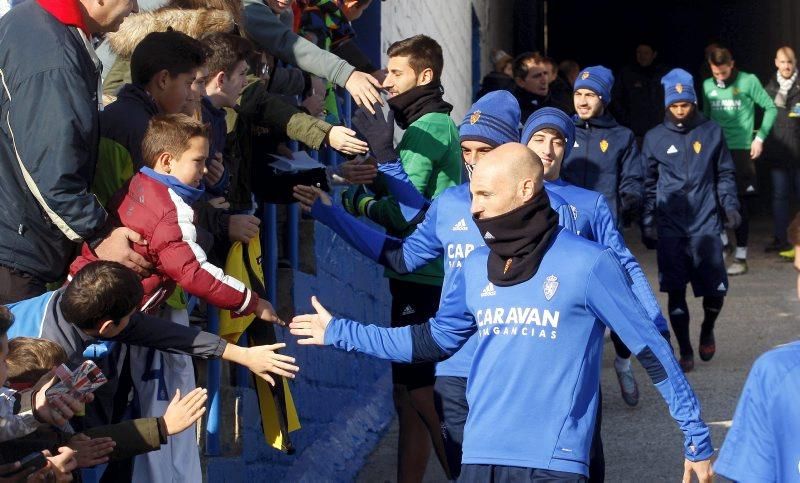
{"x":269,"y":251}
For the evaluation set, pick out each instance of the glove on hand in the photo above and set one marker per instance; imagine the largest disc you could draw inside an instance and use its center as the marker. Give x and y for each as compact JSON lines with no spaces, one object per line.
{"x":733,"y":219}
{"x":378,"y":132}
{"x":650,"y":237}
{"x":356,"y":200}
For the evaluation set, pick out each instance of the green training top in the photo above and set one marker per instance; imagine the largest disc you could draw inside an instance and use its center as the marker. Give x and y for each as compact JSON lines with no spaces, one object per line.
{"x":430,"y":151}
{"x":732,"y":107}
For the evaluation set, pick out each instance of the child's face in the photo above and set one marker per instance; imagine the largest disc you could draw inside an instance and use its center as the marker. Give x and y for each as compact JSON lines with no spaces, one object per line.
{"x":235,"y":83}
{"x":3,"y":356}
{"x":178,"y":93}
{"x":190,"y":167}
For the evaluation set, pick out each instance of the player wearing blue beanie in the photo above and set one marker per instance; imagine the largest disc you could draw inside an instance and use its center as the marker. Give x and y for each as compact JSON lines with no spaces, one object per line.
{"x":550,"y":133}
{"x":605,"y":158}
{"x":678,"y":87}
{"x":690,"y":191}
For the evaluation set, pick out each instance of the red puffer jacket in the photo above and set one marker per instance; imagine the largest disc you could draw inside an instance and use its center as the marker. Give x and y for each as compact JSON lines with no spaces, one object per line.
{"x":155,"y":211}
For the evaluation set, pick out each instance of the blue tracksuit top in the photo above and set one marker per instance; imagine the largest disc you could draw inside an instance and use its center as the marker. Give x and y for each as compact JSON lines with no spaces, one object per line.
{"x":689,"y":176}
{"x":447,"y":230}
{"x":763,"y":442}
{"x":534,"y":380}
{"x":596,"y":223}
{"x":604,"y":158}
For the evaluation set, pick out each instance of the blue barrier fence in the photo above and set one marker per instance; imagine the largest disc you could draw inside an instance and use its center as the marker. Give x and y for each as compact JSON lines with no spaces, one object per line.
{"x":269,"y":250}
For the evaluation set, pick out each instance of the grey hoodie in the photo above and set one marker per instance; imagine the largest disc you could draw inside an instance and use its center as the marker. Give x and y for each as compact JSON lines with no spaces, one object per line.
{"x":268,"y":31}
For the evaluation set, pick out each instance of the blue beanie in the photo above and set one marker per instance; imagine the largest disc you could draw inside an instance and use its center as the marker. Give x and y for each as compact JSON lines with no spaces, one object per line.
{"x":550,"y":117}
{"x":597,"y":79}
{"x":493,"y":119}
{"x":678,"y":87}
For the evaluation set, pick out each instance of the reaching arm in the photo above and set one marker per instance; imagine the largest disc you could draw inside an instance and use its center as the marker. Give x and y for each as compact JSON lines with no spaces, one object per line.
{"x":612,"y":301}
{"x":266,"y":29}
{"x":402,"y":256}
{"x":436,"y":340}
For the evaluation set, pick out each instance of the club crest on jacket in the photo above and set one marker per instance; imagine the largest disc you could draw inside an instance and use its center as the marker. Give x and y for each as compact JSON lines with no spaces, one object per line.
{"x":550,"y":286}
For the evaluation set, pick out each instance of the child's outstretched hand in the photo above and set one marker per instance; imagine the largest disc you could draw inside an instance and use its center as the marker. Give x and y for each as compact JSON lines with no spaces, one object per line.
{"x":183,"y":412}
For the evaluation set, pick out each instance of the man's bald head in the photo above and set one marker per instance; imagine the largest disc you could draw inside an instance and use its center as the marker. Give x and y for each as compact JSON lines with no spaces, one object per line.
{"x":504,"y":179}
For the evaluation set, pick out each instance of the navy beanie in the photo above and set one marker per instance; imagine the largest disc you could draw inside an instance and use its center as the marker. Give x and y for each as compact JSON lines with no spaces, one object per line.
{"x":493,"y":119}
{"x":597,"y":79}
{"x":678,"y":87}
{"x":550,"y":117}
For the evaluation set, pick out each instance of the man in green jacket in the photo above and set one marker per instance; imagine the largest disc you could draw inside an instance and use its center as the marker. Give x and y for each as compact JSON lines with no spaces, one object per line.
{"x":729,"y":99}
{"x":430,"y":153}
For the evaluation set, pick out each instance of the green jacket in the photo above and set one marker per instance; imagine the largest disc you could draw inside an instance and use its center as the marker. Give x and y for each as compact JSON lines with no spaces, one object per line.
{"x":430,"y":151}
{"x":732,"y":107}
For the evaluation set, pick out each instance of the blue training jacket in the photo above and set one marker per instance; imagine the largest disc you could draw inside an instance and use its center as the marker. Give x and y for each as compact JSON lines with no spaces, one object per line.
{"x":689,"y":176}
{"x":595,"y":222}
{"x":534,"y":380}
{"x":447,"y":230}
{"x":605,"y":158}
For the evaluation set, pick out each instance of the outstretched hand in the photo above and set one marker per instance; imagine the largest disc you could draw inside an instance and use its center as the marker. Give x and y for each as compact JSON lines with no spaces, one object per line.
{"x":263,"y":359}
{"x":364,"y":89}
{"x":311,"y":326}
{"x":308,"y":195}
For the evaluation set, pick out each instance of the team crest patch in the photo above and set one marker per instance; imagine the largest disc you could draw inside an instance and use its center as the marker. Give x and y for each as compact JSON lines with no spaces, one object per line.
{"x":736,"y":91}
{"x":697,"y":147}
{"x":585,"y":75}
{"x":475,"y":117}
{"x":508,"y":266}
{"x":603,"y":145}
{"x":550,"y":286}
{"x":679,"y":87}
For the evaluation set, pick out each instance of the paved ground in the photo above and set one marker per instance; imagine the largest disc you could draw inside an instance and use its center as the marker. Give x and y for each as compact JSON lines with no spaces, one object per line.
{"x":643,"y":443}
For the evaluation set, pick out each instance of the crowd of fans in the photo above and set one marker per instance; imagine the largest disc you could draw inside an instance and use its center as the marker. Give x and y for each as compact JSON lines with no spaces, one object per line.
{"x":127,"y":181}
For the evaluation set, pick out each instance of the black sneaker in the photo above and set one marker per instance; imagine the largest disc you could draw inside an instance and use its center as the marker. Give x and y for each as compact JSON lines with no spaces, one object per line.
{"x":777,"y":246}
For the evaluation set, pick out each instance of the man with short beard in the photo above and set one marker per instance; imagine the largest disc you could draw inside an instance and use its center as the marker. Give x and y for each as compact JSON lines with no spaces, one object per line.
{"x":689,"y":187}
{"x":729,"y":99}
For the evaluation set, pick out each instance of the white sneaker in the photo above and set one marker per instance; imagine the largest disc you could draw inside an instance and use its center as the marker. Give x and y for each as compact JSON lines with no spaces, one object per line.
{"x":738,"y":267}
{"x":628,"y":386}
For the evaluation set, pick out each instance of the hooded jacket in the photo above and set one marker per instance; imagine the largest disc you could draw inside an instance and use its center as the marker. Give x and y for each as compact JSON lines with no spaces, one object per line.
{"x":162,"y":214}
{"x":48,"y":138}
{"x":195,"y":23}
{"x":689,"y":177}
{"x":605,"y":158}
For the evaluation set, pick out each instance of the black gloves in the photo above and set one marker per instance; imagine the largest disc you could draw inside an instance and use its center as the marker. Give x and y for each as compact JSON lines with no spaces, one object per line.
{"x":650,"y":237}
{"x":378,"y":132}
{"x":629,"y":209}
{"x":732,"y":219}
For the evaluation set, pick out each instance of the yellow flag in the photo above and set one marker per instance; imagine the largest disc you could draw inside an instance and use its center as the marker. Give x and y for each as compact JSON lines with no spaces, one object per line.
{"x":278,"y":413}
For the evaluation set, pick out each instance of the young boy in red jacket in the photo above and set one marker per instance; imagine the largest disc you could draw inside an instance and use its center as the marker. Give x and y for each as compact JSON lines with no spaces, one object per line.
{"x":156,"y":203}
